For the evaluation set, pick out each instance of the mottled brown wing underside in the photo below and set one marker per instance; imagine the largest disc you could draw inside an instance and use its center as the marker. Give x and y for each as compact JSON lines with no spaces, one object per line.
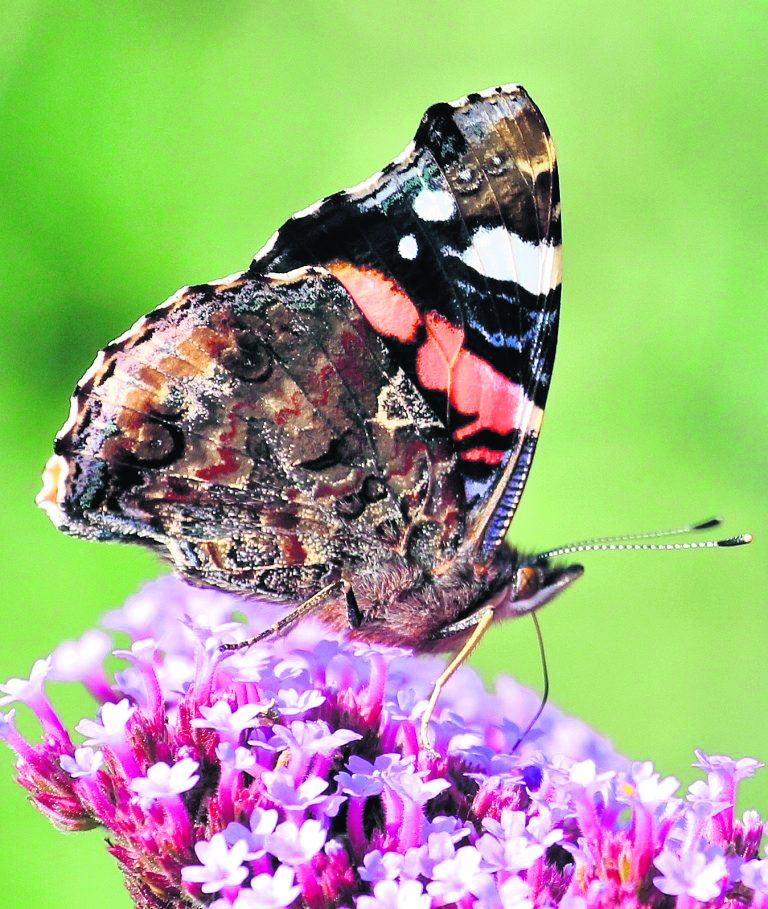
{"x":259,"y":431}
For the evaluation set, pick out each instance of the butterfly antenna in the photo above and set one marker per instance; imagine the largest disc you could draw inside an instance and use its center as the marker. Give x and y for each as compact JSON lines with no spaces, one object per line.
{"x":545,"y":693}
{"x":625,"y":541}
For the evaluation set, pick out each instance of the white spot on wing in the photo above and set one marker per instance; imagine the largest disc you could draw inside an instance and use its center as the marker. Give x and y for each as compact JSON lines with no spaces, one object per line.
{"x":498,"y":253}
{"x":434,"y":205}
{"x":297,"y":275}
{"x":463,"y":101}
{"x":408,"y":247}
{"x":510,"y":88}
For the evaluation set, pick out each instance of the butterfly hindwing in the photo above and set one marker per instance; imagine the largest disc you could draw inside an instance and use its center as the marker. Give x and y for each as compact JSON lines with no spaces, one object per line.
{"x":260,"y":431}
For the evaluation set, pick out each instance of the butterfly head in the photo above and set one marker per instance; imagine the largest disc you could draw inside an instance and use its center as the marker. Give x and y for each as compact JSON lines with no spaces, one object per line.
{"x":534,"y":584}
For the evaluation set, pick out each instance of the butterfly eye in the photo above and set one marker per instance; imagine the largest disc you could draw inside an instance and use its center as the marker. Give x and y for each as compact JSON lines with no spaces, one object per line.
{"x":421,"y":542}
{"x":526,"y":582}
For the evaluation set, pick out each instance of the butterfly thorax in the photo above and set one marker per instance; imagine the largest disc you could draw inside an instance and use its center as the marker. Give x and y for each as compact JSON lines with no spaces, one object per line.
{"x":433,"y":610}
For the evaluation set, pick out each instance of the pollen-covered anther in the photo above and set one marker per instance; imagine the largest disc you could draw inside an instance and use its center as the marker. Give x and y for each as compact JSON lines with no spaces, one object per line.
{"x":51,"y":496}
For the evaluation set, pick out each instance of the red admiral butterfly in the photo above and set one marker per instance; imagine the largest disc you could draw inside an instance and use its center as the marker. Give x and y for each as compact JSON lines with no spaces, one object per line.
{"x":349,"y":424}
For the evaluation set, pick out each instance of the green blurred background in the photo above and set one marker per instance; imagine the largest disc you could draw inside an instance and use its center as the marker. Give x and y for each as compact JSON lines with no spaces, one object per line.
{"x":148,"y":145}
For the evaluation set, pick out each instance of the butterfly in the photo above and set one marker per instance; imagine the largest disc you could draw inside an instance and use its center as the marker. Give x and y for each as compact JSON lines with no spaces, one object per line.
{"x":348,"y":425}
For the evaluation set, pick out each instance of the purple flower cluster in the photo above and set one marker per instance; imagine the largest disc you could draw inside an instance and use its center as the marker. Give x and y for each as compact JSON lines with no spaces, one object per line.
{"x":290,"y":774}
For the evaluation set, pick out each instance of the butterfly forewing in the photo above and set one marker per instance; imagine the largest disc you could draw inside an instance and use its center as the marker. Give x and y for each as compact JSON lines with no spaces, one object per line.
{"x":452,"y":252}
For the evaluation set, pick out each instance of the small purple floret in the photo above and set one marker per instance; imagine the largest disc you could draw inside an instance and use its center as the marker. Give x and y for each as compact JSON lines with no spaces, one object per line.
{"x":700,"y":873}
{"x":220,"y":865}
{"x":163,"y":780}
{"x":85,"y":762}
{"x":110,"y":729}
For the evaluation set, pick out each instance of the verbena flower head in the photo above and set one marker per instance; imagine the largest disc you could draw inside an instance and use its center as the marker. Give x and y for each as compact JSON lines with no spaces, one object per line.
{"x":290,"y":774}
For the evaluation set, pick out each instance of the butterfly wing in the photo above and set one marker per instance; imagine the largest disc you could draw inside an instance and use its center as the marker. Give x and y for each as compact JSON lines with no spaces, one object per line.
{"x":259,"y":432}
{"x":268,"y":429}
{"x":452,"y":252}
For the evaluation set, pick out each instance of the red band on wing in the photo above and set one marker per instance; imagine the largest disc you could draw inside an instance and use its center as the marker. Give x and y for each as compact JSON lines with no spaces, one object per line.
{"x":473,"y":386}
{"x":386,"y":306}
{"x":229,"y":460}
{"x":443,"y":364}
{"x":228,"y":464}
{"x":488,"y":455}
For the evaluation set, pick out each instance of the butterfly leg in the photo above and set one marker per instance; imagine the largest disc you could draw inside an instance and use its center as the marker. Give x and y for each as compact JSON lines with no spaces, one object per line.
{"x":481,"y":624}
{"x":287,"y":621}
{"x":354,"y":615}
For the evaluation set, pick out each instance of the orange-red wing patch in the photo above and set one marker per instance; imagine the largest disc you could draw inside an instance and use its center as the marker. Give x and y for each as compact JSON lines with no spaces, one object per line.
{"x":381,"y":300}
{"x":473,"y":386}
{"x":488,"y":455}
{"x":228,"y":464}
